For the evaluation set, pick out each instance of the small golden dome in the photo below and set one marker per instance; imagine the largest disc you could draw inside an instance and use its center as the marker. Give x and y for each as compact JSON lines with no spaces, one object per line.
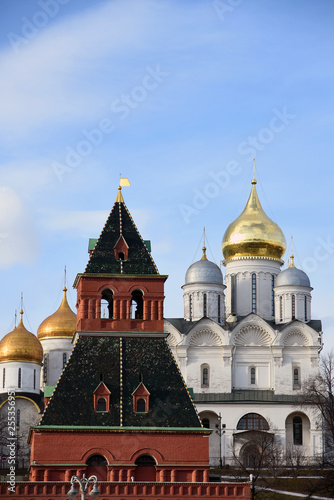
{"x":61,"y":324}
{"x":253,"y":234}
{"x":21,"y":345}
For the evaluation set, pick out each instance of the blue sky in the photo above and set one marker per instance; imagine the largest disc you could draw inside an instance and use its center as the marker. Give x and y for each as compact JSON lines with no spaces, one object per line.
{"x":178,"y":96}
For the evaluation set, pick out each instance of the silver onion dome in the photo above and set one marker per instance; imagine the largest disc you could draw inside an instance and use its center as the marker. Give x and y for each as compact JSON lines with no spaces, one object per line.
{"x":292,"y":277}
{"x":204,"y":271}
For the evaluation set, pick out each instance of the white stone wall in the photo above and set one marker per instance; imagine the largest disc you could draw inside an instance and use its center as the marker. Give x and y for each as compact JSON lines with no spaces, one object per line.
{"x":29,"y":373}
{"x":54,"y":349}
{"x":196,"y":293}
{"x":243,"y":270}
{"x":286,"y":293}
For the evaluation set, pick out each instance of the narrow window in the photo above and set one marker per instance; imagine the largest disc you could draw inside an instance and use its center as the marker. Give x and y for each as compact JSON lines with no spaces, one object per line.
{"x":101,"y":404}
{"x":4,"y":377}
{"x":141,"y":405}
{"x":204,"y":304}
{"x":218,"y":308}
{"x":254,"y":293}
{"x":18,"y":418}
{"x":272,"y":295}
{"x":121,"y":256}
{"x":252,"y":374}
{"x":107,"y":304}
{"x":297,"y":431}
{"x":233,"y":294}
{"x":19,"y":379}
{"x":296,"y":378}
{"x":64,"y":359}
{"x":305,"y":308}
{"x":281,"y":308}
{"x":205,"y":376}
{"x":34,"y":379}
{"x":45,"y":368}
{"x":293,"y":306}
{"x":137,"y":307}
{"x":190,"y":308}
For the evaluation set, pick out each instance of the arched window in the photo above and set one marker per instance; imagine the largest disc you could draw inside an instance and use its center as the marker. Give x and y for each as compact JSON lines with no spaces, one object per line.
{"x":305,"y":308}
{"x":3,"y":377}
{"x":64,"y":359}
{"x":293,"y":307}
{"x":296,"y":378}
{"x":252,"y":422}
{"x":218,"y":308}
{"x":252,"y":375}
{"x":18,"y":418}
{"x":141,"y":405}
{"x":145,"y":461}
{"x":19,"y":378}
{"x":97,"y":460}
{"x":272,"y":295}
{"x":137,"y":304}
{"x":34,"y":379}
{"x":297,"y":430}
{"x":204,"y":304}
{"x":281,"y":308}
{"x":205,"y":375}
{"x":101,"y":404}
{"x":251,"y":456}
{"x":45,"y":368}
{"x":253,"y":293}
{"x":107,"y":304}
{"x":206,"y":423}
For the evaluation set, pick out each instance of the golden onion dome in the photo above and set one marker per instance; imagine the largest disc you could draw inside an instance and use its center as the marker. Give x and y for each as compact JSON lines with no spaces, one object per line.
{"x":21,"y":345}
{"x":253,"y":234}
{"x":61,"y":324}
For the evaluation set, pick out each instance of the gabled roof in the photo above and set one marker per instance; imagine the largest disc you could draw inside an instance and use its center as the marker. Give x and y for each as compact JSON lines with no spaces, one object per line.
{"x":121,"y":363}
{"x":103,"y":258}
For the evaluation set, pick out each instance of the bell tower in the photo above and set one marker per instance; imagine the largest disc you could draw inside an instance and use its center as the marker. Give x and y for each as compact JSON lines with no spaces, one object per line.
{"x":121,"y":288}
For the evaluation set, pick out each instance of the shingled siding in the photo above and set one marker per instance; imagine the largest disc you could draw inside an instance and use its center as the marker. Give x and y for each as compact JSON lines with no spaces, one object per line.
{"x":136,"y":359}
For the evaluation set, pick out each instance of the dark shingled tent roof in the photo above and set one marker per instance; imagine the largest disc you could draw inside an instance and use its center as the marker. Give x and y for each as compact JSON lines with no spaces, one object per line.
{"x":103,"y":260}
{"x":106,"y":358}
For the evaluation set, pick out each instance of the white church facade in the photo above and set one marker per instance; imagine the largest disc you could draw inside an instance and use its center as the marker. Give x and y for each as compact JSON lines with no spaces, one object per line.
{"x":245,"y":347}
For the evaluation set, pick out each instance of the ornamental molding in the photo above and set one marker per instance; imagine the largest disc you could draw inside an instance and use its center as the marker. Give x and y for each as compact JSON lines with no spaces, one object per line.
{"x":172,"y":340}
{"x":295,"y":338}
{"x":252,"y":335}
{"x":205,"y":337}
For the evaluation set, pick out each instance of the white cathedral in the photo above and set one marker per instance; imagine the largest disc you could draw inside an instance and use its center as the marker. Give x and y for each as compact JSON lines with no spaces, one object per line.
{"x":244,"y":347}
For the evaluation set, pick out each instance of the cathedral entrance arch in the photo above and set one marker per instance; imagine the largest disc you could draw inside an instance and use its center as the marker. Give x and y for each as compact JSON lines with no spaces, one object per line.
{"x":210,"y":420}
{"x":145,"y":468}
{"x":297,"y":431}
{"x":97,"y":466}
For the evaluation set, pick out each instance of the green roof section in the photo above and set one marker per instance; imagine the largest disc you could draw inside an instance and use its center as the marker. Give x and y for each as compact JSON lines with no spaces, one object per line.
{"x":91,"y":244}
{"x":48,"y":390}
{"x":103,"y":260}
{"x":121,"y":363}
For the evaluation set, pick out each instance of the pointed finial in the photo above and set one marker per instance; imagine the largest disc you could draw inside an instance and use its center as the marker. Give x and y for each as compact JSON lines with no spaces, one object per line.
{"x":123,"y":181}
{"x":204,"y":257}
{"x":15,"y":320}
{"x":254,"y":180}
{"x":65,"y":289}
{"x":292,"y":263}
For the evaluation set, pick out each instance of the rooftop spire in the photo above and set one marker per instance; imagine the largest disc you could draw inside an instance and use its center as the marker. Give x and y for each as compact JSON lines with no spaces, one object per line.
{"x":292,"y":263}
{"x":254,"y":180}
{"x":64,"y":289}
{"x":204,"y":257}
{"x":123,"y":181}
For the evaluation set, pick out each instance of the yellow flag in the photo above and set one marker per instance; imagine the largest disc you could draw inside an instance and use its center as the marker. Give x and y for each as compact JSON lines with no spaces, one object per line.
{"x":124,"y":181}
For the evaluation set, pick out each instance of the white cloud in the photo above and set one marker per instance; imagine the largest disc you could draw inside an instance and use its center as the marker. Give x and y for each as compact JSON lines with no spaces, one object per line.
{"x":18,"y":239}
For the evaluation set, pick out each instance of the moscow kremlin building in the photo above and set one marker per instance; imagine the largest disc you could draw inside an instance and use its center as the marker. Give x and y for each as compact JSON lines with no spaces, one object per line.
{"x":123,"y":393}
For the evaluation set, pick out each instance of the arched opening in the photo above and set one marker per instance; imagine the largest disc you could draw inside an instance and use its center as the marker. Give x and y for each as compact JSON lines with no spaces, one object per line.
{"x":145,"y":468}
{"x":19,"y":378}
{"x":141,"y":405}
{"x":254,"y":293}
{"x":97,"y":466}
{"x":251,"y":456}
{"x":101,"y":404}
{"x":252,"y":422}
{"x":107,"y":304}
{"x":293,"y":307}
{"x":121,"y":256}
{"x":297,"y":430}
{"x":206,"y":423}
{"x":137,"y":304}
{"x":252,"y":375}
